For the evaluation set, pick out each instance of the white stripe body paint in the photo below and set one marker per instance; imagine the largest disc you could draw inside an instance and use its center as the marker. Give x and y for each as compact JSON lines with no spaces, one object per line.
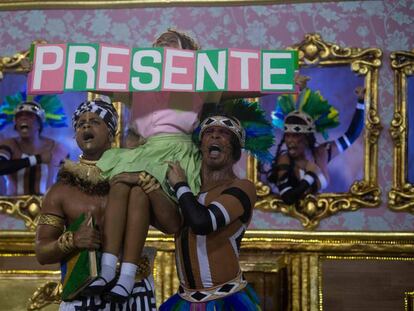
{"x":223,"y":211}
{"x":203,"y":264}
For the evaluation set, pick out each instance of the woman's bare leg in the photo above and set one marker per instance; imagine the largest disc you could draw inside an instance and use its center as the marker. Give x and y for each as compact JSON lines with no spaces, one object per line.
{"x":165,"y":211}
{"x":114,"y":227}
{"x":137,"y":224}
{"x":115,"y":218}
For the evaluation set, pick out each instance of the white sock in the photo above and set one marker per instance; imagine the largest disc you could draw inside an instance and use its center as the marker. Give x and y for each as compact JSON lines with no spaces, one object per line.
{"x":108,"y":269}
{"x":126,"y":279}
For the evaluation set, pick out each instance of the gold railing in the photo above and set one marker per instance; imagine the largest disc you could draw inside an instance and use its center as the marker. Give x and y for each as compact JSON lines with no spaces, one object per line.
{"x":285,"y":267}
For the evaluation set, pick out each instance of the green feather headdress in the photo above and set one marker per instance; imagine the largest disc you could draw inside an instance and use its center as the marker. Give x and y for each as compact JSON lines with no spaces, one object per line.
{"x":311,"y":107}
{"x":51,"y":104}
{"x":259,"y":131}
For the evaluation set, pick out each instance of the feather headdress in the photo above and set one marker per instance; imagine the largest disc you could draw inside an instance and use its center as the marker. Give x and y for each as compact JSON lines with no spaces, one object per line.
{"x":315,"y":111}
{"x":51,"y":104}
{"x":259,"y":134}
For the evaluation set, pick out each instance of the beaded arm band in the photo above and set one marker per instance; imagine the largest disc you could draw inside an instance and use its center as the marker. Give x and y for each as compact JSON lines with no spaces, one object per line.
{"x":66,"y":243}
{"x":52,"y":220}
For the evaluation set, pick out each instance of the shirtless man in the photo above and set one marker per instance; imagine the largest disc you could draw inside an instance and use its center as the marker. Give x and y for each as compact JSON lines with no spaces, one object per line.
{"x":81,"y":190}
{"x":30,"y":161}
{"x":208,"y":243}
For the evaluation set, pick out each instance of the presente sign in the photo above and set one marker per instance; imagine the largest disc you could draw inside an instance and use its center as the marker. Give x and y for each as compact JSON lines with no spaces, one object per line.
{"x":86,"y":67}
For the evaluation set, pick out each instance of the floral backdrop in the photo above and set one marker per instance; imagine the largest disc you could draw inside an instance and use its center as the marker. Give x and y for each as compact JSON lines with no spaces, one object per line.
{"x":387,"y":25}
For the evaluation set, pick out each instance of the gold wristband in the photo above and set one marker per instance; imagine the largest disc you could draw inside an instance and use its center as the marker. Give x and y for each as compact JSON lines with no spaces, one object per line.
{"x":52,"y":220}
{"x":66,"y":243}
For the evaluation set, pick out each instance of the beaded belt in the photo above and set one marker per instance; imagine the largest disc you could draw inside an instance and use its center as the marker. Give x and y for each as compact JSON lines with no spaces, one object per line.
{"x":212,"y":293}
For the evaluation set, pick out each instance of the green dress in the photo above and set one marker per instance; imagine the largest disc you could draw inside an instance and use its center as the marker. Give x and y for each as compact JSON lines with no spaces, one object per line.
{"x":151,"y":157}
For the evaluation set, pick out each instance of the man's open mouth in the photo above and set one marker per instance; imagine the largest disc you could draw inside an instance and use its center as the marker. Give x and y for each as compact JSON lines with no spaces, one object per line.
{"x":87,"y":137}
{"x":24,"y":126}
{"x":214,"y":150}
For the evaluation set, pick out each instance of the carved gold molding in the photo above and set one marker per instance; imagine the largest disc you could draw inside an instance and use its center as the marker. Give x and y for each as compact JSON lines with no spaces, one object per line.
{"x":313,"y":50}
{"x":396,"y":243}
{"x":364,"y":193}
{"x":25,"y":207}
{"x":262,"y":250}
{"x":47,"y":294}
{"x":18,"y":63}
{"x":401,"y":195}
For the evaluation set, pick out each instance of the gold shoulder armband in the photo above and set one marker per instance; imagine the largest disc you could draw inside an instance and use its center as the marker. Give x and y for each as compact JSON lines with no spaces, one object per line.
{"x":52,"y":220}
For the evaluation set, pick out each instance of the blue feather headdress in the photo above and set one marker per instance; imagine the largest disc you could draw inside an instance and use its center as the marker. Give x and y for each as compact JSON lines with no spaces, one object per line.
{"x":259,"y":131}
{"x":317,"y":114}
{"x":51,"y":104}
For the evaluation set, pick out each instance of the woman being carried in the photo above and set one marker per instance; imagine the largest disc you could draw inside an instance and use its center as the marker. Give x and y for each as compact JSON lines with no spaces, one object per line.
{"x":165,"y":120}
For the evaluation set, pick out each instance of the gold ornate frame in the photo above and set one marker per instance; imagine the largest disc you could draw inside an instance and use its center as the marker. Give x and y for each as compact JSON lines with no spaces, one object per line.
{"x":314,"y":51}
{"x":18,"y":63}
{"x":401,"y":195}
{"x":27,"y":207}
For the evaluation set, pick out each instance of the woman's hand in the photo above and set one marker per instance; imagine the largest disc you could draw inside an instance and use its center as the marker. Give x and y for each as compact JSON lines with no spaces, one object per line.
{"x":147,"y":182}
{"x":86,"y":237}
{"x":175,"y":173}
{"x":131,"y":179}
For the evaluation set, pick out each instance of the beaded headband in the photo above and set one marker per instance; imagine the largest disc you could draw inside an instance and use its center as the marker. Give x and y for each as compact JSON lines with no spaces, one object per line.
{"x":232,"y":124}
{"x":31,"y":107}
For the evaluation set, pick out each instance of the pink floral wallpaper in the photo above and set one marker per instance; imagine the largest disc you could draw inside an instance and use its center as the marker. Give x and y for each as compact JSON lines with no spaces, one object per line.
{"x":387,"y":25}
